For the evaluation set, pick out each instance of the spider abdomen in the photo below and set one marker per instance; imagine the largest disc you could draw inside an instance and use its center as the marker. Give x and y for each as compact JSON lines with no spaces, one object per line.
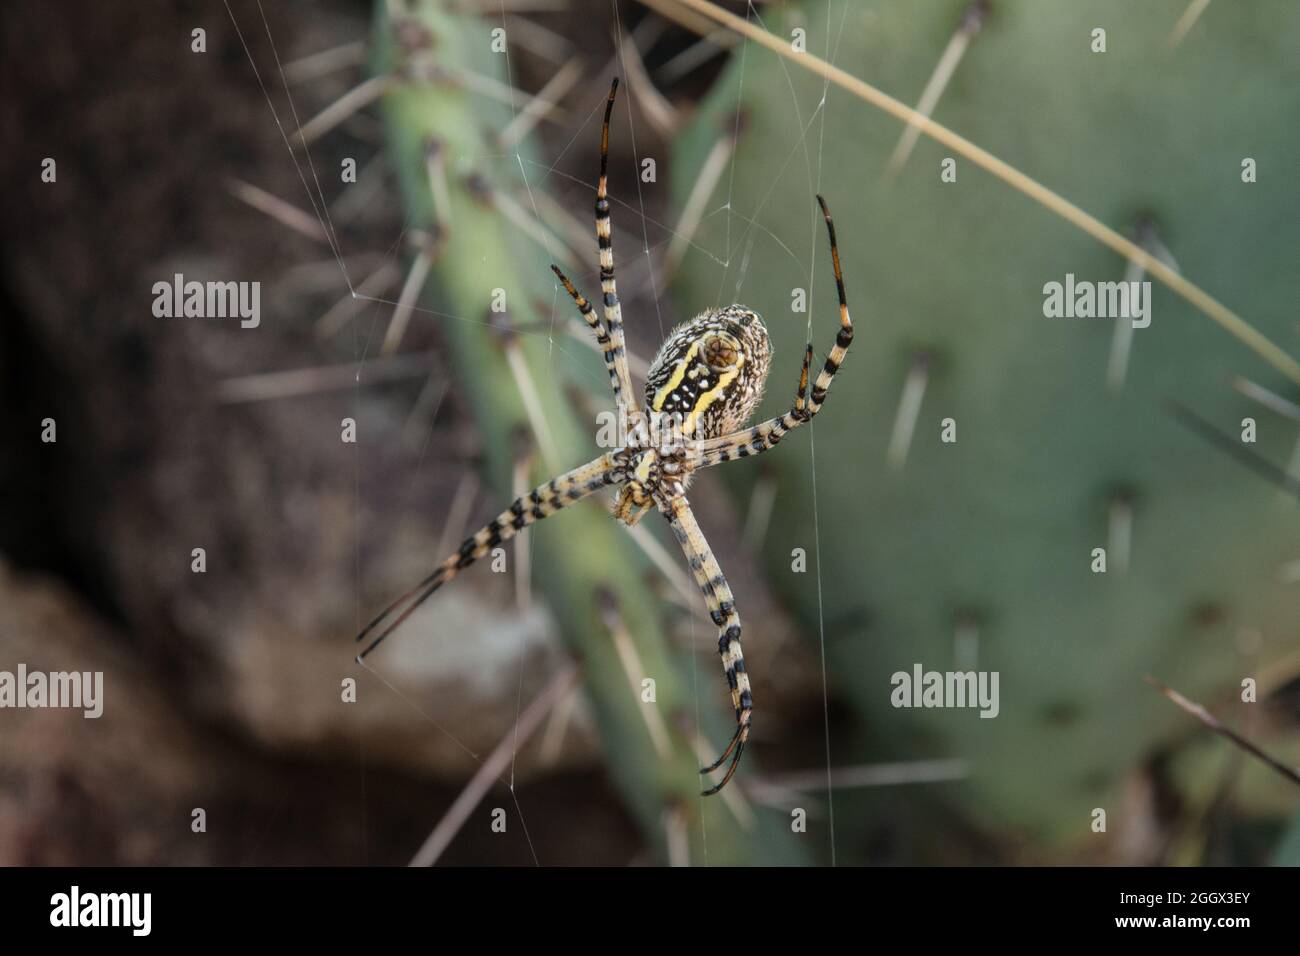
{"x":709,"y":374}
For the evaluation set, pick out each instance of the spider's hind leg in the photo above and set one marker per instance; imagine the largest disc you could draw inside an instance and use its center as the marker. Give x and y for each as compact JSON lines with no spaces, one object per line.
{"x":613,"y":310}
{"x":603,"y":340}
{"x":609,"y":333}
{"x":807,"y":403}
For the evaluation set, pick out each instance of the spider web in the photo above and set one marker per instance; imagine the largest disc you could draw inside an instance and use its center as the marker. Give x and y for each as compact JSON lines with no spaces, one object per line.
{"x":744,"y":231}
{"x":740,"y":228}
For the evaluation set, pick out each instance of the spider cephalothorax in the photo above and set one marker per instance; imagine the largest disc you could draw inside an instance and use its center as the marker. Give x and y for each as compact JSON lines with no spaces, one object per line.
{"x":704,"y":384}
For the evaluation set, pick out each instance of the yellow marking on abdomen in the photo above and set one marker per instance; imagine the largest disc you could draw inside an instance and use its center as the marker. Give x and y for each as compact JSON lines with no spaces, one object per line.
{"x":676,"y":378}
{"x":708,"y":398}
{"x":704,"y":399}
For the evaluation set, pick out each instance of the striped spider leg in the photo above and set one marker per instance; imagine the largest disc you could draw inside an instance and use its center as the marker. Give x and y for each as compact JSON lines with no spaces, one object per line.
{"x":722,"y":609}
{"x":741,"y":443}
{"x":542,"y":502}
{"x":609,"y":334}
{"x":702,"y":387}
{"x":570,"y":487}
{"x":765,"y":435}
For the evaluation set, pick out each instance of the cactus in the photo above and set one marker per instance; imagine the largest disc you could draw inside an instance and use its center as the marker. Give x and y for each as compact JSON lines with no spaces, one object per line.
{"x":582,"y":552}
{"x":994,"y":533}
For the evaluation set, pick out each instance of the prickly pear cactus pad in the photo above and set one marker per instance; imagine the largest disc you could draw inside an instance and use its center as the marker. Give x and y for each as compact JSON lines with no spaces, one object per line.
{"x":483,"y":260}
{"x":1060,"y":515}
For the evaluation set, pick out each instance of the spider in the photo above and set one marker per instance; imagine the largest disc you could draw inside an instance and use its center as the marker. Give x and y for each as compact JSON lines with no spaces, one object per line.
{"x":701,"y":389}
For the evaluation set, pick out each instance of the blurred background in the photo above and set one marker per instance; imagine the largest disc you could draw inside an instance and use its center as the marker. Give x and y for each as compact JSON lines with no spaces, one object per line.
{"x":388,"y":172}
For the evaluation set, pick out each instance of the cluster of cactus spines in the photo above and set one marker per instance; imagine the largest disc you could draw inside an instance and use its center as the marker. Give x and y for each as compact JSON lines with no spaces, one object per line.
{"x":1030,"y":463}
{"x":484,"y":285}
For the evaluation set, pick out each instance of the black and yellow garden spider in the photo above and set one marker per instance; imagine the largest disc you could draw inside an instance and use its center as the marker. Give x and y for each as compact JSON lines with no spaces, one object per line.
{"x":701,"y":389}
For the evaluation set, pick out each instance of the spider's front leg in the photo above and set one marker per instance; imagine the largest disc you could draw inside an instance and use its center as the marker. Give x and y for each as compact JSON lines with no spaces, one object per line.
{"x":722,"y":608}
{"x":542,"y":502}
